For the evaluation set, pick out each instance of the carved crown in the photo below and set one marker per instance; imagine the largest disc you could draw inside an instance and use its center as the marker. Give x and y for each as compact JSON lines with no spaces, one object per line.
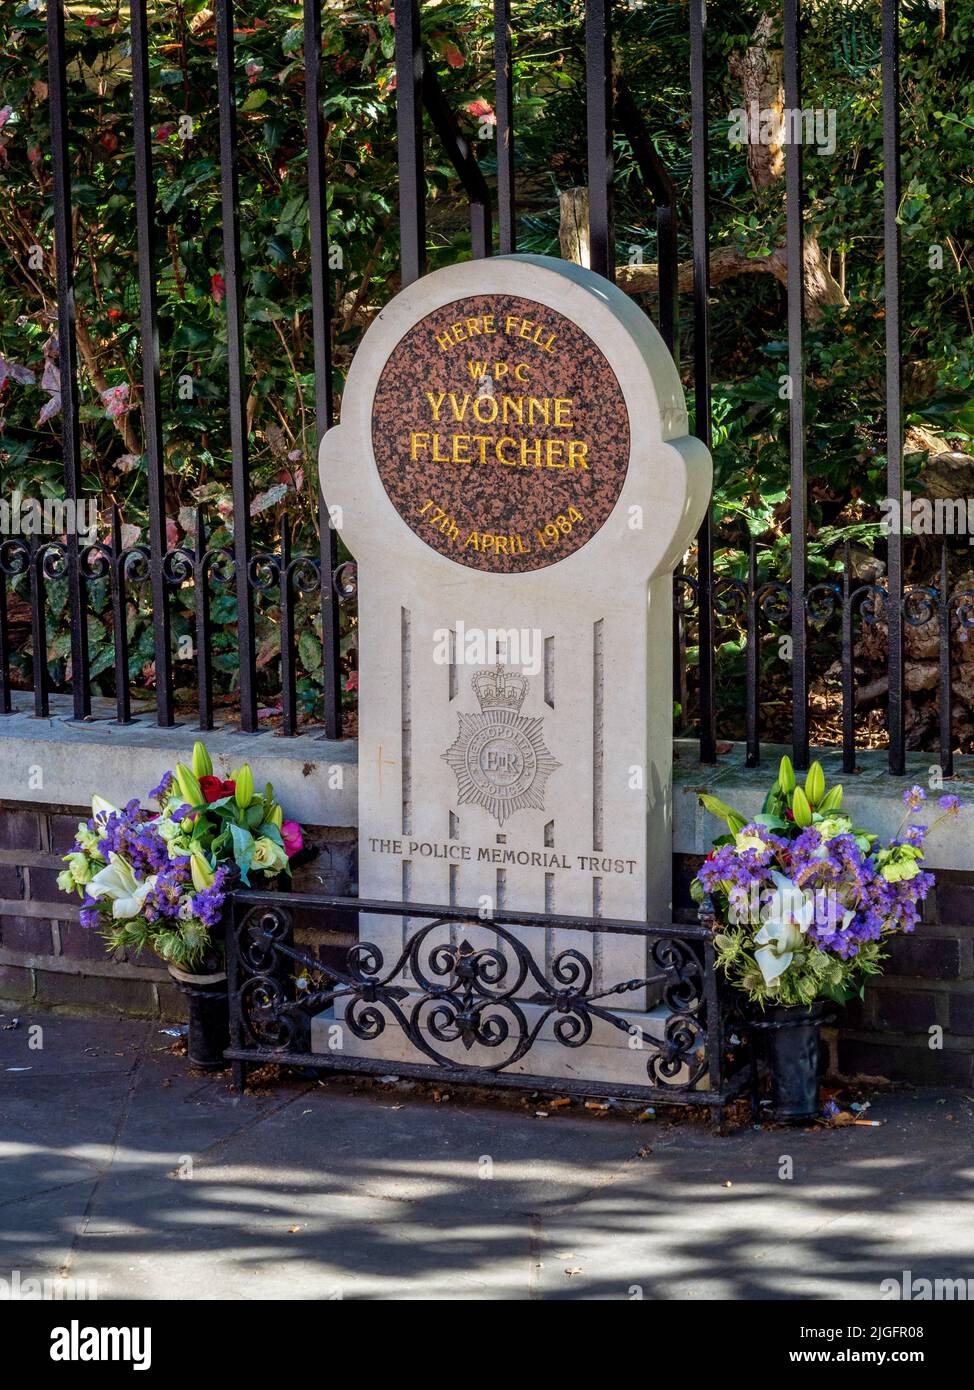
{"x":496,"y":688}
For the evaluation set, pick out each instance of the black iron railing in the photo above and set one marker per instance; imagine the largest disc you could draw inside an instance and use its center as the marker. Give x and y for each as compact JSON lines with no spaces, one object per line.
{"x":836,"y":612}
{"x":445,"y":991}
{"x":611,"y":110}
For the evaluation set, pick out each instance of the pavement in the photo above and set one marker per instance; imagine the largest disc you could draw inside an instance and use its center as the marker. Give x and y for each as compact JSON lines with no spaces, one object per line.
{"x":122,"y":1167}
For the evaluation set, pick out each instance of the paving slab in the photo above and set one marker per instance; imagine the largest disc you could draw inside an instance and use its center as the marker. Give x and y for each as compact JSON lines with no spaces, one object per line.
{"x":123,"y":1167}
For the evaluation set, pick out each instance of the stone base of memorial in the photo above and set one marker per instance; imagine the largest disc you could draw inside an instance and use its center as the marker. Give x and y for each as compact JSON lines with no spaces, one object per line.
{"x":606,"y":1056}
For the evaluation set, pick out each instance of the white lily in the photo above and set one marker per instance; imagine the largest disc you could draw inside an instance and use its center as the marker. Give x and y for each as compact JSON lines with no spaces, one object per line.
{"x":102,"y":809}
{"x":118,"y":882}
{"x":777,"y":942}
{"x":789,"y":903}
{"x":790,"y":912}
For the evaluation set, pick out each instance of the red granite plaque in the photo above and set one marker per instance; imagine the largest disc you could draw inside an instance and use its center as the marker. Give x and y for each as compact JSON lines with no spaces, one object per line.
{"x":500,"y":433}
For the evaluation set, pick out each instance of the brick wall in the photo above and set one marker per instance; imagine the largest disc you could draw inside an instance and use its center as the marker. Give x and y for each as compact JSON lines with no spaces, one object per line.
{"x":46,"y":957}
{"x":927,"y":983}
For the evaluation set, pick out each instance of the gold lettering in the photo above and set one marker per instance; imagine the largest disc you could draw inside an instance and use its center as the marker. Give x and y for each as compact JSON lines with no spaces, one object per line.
{"x":534,"y":450}
{"x":577,"y":450}
{"x":563,"y":412}
{"x":414,"y":442}
{"x":435,"y":403}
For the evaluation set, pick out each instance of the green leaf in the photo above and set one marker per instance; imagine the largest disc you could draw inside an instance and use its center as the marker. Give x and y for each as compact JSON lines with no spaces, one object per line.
{"x":719,"y":808}
{"x":309,"y":650}
{"x":243,"y":850}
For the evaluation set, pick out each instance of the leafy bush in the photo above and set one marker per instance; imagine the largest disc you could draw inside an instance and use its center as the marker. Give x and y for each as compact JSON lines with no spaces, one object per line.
{"x":844,"y":349}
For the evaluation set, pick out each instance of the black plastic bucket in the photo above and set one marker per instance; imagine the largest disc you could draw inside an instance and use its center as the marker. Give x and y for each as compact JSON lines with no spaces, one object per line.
{"x":794,"y":1050}
{"x":209,"y":1017}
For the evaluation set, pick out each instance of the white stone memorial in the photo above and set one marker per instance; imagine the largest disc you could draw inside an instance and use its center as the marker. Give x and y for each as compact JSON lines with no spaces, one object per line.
{"x":514,"y":476}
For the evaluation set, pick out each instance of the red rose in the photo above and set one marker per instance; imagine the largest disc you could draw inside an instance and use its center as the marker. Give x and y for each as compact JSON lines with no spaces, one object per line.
{"x":212,"y":788}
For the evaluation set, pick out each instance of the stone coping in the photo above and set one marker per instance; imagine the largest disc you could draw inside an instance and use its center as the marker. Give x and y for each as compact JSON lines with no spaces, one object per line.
{"x":60,"y":762}
{"x":871,"y":796}
{"x":317,"y":778}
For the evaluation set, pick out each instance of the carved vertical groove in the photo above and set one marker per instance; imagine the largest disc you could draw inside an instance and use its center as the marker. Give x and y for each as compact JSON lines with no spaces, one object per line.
{"x":598,"y":734}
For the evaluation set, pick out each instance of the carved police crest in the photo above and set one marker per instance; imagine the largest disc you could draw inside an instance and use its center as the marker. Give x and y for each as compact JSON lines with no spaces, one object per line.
{"x":499,"y":756}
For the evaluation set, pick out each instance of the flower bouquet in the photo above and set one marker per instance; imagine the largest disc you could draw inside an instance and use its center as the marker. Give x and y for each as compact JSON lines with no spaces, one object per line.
{"x":157,"y":879}
{"x":806,"y":902}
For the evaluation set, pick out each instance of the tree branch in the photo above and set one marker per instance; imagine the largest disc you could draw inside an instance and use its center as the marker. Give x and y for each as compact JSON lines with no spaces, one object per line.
{"x":821,"y":288}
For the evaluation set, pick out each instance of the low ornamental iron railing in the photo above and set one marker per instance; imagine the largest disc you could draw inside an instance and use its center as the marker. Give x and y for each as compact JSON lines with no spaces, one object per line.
{"x":841,"y":607}
{"x":283,"y":577}
{"x":452,"y":992}
{"x":611,"y":111}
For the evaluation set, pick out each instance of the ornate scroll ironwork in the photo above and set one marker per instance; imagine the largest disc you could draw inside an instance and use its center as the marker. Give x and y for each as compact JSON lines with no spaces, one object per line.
{"x":443,"y":993}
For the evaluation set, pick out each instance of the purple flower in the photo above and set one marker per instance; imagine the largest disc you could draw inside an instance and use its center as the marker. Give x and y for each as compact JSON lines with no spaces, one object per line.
{"x":128,"y":833}
{"x":912,"y":835}
{"x":208,"y":904}
{"x":950,"y":805}
{"x":88,"y":915}
{"x":162,"y":791}
{"x":914,"y":797}
{"x":172,"y":882}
